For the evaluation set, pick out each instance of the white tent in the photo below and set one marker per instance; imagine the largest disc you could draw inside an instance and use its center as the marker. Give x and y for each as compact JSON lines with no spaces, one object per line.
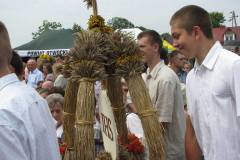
{"x":134,"y":31}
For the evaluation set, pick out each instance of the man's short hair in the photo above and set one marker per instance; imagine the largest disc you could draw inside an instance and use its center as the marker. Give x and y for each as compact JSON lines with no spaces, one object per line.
{"x":192,"y":15}
{"x":32,"y":59}
{"x":173,"y":54}
{"x":5,"y":46}
{"x":17,"y":63}
{"x":154,"y":37}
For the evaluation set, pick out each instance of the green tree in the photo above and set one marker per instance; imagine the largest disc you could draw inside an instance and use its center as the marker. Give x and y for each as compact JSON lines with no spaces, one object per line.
{"x":142,"y":28}
{"x":76,"y":28}
{"x":217,"y":19}
{"x":46,"y":26}
{"x":120,"y":23}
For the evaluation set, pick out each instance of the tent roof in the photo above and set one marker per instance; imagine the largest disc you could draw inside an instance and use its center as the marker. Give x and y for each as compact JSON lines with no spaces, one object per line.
{"x":133,"y":31}
{"x":50,"y":39}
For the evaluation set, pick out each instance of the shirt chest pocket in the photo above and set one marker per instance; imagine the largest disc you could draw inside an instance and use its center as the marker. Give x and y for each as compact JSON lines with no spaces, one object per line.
{"x":219,"y":88}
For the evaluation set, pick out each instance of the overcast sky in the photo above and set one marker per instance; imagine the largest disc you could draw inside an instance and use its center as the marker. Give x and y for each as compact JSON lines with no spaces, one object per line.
{"x":22,"y":17}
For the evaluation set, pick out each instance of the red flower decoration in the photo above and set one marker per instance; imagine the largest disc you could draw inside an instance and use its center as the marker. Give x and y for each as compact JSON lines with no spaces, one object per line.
{"x":62,"y":148}
{"x":134,"y":144}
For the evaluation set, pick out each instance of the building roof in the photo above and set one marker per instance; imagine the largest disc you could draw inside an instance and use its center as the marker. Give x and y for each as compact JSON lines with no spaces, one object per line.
{"x":218,"y":33}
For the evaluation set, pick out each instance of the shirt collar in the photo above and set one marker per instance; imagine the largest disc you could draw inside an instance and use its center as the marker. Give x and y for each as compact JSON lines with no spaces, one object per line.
{"x":155,"y":70}
{"x":34,"y":71}
{"x":211,"y":58}
{"x":8,"y":79}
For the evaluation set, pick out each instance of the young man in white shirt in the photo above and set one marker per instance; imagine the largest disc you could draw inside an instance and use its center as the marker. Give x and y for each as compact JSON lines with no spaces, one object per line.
{"x":27,"y":131}
{"x":165,"y":93}
{"x":213,"y":88}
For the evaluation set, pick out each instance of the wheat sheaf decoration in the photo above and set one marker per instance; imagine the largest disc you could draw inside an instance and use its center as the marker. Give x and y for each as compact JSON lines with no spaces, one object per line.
{"x":87,"y":62}
{"x":67,"y":70}
{"x":96,"y":22}
{"x":92,"y":4}
{"x":69,"y":108}
{"x":89,"y":3}
{"x":125,"y":58}
{"x":114,"y":88}
{"x":128,"y":63}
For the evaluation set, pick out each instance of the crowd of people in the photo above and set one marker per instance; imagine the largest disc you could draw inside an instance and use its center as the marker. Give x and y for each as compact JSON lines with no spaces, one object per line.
{"x":194,"y":89}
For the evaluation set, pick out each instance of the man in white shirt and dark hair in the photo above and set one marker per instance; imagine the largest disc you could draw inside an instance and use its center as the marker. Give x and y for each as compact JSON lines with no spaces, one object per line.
{"x":213,"y":88}
{"x":27,"y":131}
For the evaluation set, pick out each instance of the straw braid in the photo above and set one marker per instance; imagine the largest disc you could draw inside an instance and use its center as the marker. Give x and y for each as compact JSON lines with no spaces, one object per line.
{"x":117,"y":109}
{"x":146,"y":113}
{"x":66,"y":114}
{"x":83,"y":122}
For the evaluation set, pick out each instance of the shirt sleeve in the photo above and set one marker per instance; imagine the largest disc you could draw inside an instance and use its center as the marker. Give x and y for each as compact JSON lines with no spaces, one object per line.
{"x":10,"y":147}
{"x":165,"y":101}
{"x":235,"y":85}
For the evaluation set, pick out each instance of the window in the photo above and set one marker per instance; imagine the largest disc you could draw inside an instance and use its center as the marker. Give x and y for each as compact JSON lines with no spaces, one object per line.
{"x":229,"y":36}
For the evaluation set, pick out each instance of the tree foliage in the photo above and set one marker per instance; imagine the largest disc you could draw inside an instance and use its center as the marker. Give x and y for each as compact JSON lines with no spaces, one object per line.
{"x":142,"y":28}
{"x":46,"y":25}
{"x":217,"y":19}
{"x":76,"y":28}
{"x":120,"y":23}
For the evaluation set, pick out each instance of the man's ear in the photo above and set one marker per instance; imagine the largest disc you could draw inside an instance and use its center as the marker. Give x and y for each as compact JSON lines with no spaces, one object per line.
{"x":156,"y":47}
{"x":197,"y":32}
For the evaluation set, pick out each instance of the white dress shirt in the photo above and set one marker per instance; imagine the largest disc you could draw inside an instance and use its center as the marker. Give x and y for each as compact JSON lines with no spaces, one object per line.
{"x":59,"y":132}
{"x":27,"y":131}
{"x":134,"y":125}
{"x":34,"y":77}
{"x":213,"y":95}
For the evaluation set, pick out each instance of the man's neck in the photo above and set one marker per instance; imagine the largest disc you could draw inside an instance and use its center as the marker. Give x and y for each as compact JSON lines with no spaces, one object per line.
{"x":4,"y":72}
{"x":204,"y":51}
{"x":153,"y":63}
{"x":32,"y":70}
{"x":175,"y":69}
